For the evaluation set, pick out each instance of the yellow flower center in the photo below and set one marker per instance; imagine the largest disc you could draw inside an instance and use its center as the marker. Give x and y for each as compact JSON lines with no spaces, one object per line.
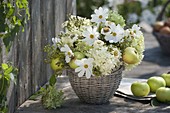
{"x":69,"y":53}
{"x":115,"y":53}
{"x":134,"y":31}
{"x":91,"y":36}
{"x":114,"y":34}
{"x":106,"y":29}
{"x":100,"y":16}
{"x":86,"y":66}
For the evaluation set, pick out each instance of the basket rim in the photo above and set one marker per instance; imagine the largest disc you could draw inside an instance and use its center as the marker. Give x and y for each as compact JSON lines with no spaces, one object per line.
{"x":156,"y":33}
{"x":121,"y":68}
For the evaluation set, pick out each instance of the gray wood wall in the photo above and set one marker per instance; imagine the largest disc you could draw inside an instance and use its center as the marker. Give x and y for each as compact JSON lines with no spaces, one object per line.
{"x":27,"y":51}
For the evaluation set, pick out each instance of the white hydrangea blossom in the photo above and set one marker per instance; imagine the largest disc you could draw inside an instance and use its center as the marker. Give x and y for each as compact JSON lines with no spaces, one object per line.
{"x":103,"y":59}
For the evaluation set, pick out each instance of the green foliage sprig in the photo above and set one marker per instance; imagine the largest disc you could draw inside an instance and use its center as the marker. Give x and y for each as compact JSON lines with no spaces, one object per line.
{"x":7,"y":73}
{"x":14,"y":14}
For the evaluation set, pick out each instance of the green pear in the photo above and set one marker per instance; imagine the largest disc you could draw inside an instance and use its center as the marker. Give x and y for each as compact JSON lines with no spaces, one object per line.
{"x":155,"y":83}
{"x":166,"y":77}
{"x":56,"y":64}
{"x":140,"y":89}
{"x":163,"y":94}
{"x":72,"y":64}
{"x":130,"y":55}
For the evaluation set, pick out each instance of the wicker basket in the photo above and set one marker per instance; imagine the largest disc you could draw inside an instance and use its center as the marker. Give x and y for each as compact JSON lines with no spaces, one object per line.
{"x":96,"y":90}
{"x":164,"y":42}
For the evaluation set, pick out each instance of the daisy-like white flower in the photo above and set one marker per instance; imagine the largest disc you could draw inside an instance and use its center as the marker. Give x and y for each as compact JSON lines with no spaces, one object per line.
{"x":90,"y":35}
{"x":116,"y":33}
{"x":100,"y":15}
{"x":68,"y":52}
{"x":116,"y":53}
{"x":85,"y":66}
{"x":136,"y":30}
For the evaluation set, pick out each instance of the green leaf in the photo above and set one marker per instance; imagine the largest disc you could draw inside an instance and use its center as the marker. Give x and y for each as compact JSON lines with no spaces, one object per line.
{"x":4,"y":66}
{"x":52,"y":80}
{"x":8,"y":70}
{"x":155,"y":102}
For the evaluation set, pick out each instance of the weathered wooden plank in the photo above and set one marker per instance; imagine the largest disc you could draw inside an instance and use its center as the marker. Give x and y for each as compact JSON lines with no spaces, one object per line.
{"x":48,"y":31}
{"x":60,"y":8}
{"x":36,"y":45}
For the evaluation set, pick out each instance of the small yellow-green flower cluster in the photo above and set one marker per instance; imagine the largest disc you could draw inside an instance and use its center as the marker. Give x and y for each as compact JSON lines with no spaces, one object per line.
{"x":99,"y":45}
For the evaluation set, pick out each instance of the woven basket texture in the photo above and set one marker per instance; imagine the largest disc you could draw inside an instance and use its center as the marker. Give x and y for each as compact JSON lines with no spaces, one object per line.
{"x":97,"y":89}
{"x":164,"y":42}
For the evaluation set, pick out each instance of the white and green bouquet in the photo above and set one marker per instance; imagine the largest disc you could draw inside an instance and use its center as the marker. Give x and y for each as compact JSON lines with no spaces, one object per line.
{"x":96,"y":46}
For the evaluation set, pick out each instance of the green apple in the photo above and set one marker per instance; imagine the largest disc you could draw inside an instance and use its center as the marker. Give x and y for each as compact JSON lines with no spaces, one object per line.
{"x":130,"y":55}
{"x":140,"y":89}
{"x":163,"y":94}
{"x":72,"y":64}
{"x":155,"y":83}
{"x":56,"y":64}
{"x":79,"y":55}
{"x":166,"y":77}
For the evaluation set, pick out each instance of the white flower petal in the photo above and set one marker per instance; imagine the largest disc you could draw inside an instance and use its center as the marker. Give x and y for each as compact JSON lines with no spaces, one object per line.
{"x":81,"y":73}
{"x":88,"y":74}
{"x":78,"y":69}
{"x":67,"y":58}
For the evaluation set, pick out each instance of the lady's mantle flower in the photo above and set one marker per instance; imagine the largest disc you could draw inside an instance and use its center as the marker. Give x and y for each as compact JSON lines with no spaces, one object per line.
{"x":91,"y":35}
{"x":100,"y":15}
{"x":116,"y":33}
{"x":85,"y":66}
{"x":68,"y":52}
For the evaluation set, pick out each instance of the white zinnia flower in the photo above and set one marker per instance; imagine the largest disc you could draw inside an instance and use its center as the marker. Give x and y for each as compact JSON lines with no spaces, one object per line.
{"x":136,"y":30}
{"x":100,"y":15}
{"x":90,"y":35}
{"x":68,"y":52}
{"x":116,"y":53}
{"x":85,"y":66}
{"x":98,"y":43}
{"x":116,"y":33}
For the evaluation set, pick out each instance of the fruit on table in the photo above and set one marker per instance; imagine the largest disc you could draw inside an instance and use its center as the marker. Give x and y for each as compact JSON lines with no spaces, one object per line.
{"x":130,"y":55}
{"x":155,"y":83}
{"x":165,"y":30}
{"x":72,"y":64}
{"x":163,"y":94}
{"x":140,"y":89}
{"x":56,"y":64}
{"x":158,"y":25}
{"x":166,"y":77}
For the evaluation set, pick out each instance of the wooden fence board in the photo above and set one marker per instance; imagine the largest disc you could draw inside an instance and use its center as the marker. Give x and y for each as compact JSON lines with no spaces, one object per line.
{"x":27,"y":51}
